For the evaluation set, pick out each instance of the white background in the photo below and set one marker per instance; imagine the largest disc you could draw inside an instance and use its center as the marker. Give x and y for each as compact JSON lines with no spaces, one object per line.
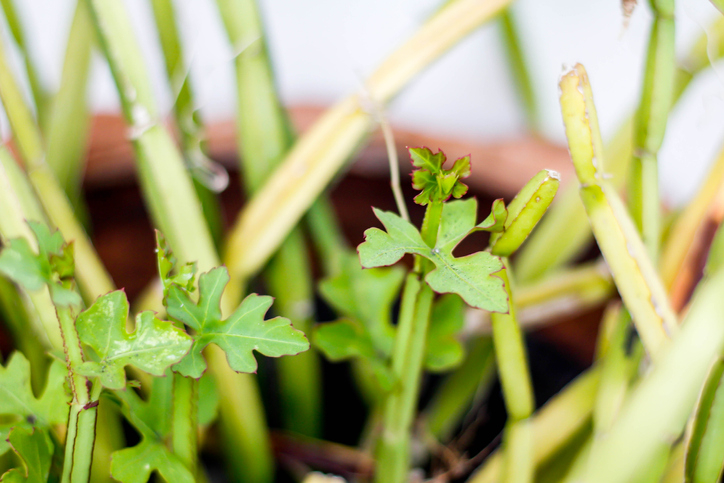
{"x":322,"y":50}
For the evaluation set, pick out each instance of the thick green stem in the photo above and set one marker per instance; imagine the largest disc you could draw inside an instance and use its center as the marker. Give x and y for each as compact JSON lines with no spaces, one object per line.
{"x":174,"y":206}
{"x":184,"y":420}
{"x":81,"y":433}
{"x":657,"y":95}
{"x":472,"y":379}
{"x":393,"y":452}
{"x":633,"y":272}
{"x":512,"y":360}
{"x":562,"y":417}
{"x":515,"y":380}
{"x":40,"y":96}
{"x":265,"y":136}
{"x":66,"y":139}
{"x":207,"y":175}
{"x":326,"y":235}
{"x":289,"y":278}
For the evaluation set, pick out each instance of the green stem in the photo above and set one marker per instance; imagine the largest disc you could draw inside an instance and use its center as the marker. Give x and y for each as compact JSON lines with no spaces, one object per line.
{"x":207,"y":175}
{"x":512,"y":360}
{"x":289,"y":279}
{"x":657,"y":96}
{"x":67,"y":140}
{"x":40,"y":96}
{"x":471,"y":380}
{"x":546,"y":250}
{"x":633,"y":272}
{"x":562,"y":417}
{"x":326,"y":235}
{"x":519,"y":67}
{"x":393,"y":452}
{"x":80,"y":437}
{"x":264,"y":135}
{"x":184,"y":420}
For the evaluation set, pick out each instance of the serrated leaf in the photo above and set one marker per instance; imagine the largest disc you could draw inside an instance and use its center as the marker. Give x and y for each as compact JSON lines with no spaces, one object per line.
{"x":705,"y":448}
{"x":470,"y":277}
{"x":495,"y":222}
{"x":152,"y":347}
{"x":425,"y":159}
{"x":443,"y":350}
{"x":347,"y":339}
{"x":35,"y":451}
{"x":244,"y":332}
{"x":18,"y":404}
{"x":383,"y":248}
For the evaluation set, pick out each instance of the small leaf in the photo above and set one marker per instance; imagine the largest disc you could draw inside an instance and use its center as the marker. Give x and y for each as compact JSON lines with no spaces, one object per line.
{"x":347,"y":339}
{"x":244,"y":332}
{"x":444,"y":351}
{"x":19,"y":263}
{"x":35,"y":451}
{"x":166,"y":262}
{"x":705,"y":448}
{"x":495,"y":222}
{"x":52,"y":265}
{"x":470,"y":277}
{"x":18,"y":404}
{"x":386,"y":248}
{"x":425,"y":159}
{"x":152,"y":347}
{"x":366,"y":296}
{"x":525,"y":211}
{"x":458,"y":219}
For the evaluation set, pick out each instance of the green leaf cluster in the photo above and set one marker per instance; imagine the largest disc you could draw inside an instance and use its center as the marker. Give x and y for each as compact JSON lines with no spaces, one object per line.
{"x":471,"y":277}
{"x":53,"y":264}
{"x":437,"y":184}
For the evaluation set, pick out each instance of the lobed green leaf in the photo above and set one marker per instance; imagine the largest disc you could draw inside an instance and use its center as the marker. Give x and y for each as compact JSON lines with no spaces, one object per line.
{"x":152,"y":347}
{"x":18,"y":404}
{"x":244,"y":332}
{"x":470,"y":277}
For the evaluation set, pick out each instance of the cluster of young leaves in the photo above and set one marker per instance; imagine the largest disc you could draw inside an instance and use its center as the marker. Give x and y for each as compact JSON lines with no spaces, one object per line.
{"x":471,"y":277}
{"x":364,"y":299}
{"x":437,"y":184}
{"x":53,"y":264}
